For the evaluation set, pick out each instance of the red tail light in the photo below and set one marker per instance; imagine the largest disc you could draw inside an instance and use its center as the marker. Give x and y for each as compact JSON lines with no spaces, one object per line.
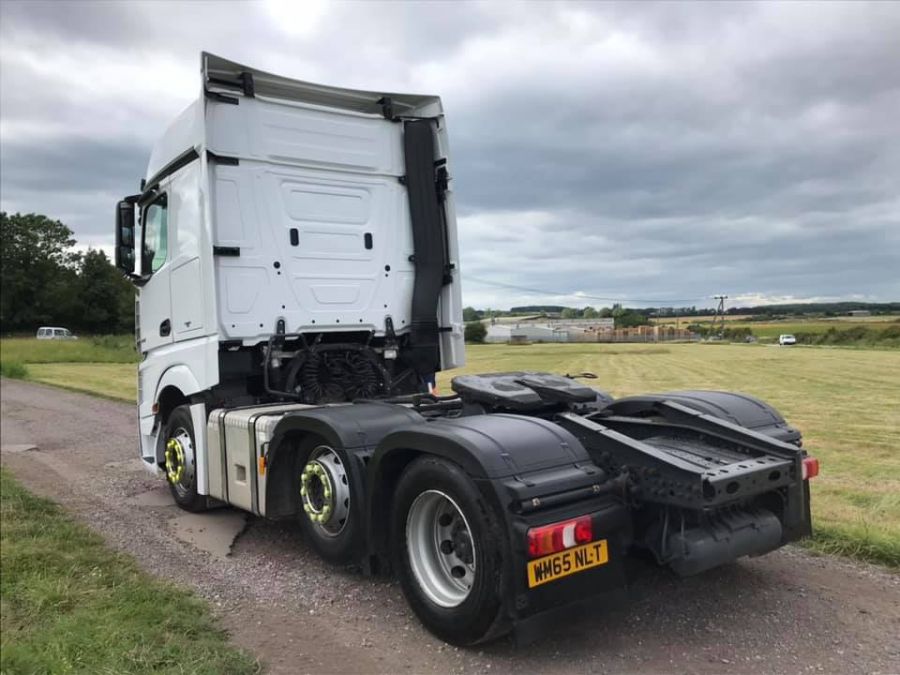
{"x":810,"y":468}
{"x":557,"y":537}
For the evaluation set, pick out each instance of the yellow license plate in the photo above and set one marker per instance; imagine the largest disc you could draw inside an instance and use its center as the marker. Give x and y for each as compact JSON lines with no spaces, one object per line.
{"x":573,"y":560}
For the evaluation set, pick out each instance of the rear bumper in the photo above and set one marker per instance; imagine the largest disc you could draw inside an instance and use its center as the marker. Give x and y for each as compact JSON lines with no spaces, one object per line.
{"x":530,"y":608}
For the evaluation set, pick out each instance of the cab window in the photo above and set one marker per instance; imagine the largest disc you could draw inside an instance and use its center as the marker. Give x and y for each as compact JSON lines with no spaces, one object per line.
{"x":156,"y":235}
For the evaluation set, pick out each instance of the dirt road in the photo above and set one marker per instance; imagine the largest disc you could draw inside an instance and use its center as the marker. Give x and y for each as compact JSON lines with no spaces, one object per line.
{"x":785,"y":612}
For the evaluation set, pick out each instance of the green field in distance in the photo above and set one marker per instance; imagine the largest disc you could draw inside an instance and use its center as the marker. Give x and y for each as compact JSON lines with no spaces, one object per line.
{"x":845,"y":401}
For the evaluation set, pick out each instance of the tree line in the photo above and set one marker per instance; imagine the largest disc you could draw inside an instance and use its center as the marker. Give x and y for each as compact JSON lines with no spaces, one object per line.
{"x":593,"y":312}
{"x":826,"y":309}
{"x":44,"y":282}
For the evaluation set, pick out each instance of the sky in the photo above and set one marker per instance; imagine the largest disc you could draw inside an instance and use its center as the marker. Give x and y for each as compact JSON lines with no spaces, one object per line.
{"x":648,"y":153}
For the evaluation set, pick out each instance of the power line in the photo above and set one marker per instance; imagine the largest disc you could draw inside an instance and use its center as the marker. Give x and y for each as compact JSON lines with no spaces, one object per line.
{"x":575,"y":295}
{"x":719,"y":318}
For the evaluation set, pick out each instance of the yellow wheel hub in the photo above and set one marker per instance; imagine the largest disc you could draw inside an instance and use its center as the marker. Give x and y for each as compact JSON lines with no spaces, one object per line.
{"x":174,"y":460}
{"x":316,"y":479}
{"x":325,"y":492}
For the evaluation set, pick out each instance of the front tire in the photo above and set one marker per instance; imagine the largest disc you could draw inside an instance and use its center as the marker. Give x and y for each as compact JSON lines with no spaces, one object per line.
{"x":180,"y":460}
{"x":446,"y":543}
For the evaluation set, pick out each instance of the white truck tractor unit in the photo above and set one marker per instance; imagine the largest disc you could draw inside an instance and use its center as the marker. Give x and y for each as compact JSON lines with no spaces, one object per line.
{"x":295,"y":251}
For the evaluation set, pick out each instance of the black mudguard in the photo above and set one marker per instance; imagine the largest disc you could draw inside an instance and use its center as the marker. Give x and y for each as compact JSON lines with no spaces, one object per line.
{"x":741,"y":409}
{"x":534,"y":472}
{"x":356,"y":428}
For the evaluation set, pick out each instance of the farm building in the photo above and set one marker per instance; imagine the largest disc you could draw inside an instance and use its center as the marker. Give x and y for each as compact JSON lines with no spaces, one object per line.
{"x":525,"y":332}
{"x":580,"y":330}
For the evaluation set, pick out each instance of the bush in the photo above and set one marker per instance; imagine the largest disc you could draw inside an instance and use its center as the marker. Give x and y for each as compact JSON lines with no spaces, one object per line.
{"x":855,"y":336}
{"x":13,"y":370}
{"x":738,"y":334}
{"x":890,"y":336}
{"x":475,"y":332}
{"x":846,"y":337}
{"x":804,"y":338}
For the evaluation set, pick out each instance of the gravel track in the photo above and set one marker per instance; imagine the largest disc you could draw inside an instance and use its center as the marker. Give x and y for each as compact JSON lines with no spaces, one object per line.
{"x":785,"y":612}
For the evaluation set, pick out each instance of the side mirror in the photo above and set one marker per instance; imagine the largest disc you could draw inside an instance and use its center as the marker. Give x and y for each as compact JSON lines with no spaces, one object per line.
{"x":125,"y":235}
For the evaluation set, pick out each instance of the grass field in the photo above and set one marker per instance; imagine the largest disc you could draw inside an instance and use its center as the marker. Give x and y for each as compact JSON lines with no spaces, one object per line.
{"x":99,"y":365}
{"x":99,"y":349}
{"x":772,"y":329}
{"x":112,"y":380}
{"x":69,"y":604}
{"x":846,"y":402}
{"x":747,"y":318}
{"x":768,"y":331}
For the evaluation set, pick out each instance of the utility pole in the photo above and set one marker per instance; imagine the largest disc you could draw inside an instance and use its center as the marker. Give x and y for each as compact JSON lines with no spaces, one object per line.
{"x":719,"y":318}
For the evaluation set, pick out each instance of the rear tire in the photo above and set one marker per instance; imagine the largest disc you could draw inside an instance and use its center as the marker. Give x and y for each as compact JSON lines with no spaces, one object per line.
{"x":447,"y":549}
{"x":329,"y":501}
{"x":180,"y":460}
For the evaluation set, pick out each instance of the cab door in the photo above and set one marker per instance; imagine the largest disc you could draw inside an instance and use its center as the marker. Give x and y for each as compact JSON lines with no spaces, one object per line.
{"x":155,"y":307}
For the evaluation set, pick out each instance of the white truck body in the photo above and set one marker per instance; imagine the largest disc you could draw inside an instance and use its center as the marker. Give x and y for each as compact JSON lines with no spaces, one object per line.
{"x":287,"y":206}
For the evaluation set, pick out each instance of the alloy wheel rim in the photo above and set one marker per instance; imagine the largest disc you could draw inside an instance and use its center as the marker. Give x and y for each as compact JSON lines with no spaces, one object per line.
{"x":440,"y":548}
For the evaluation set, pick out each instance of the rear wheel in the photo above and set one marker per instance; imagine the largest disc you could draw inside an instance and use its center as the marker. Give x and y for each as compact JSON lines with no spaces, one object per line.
{"x":329,"y":510}
{"x":180,"y":460}
{"x":446,"y":544}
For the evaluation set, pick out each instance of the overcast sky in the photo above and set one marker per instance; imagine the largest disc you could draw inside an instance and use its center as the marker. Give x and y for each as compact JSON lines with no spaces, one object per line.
{"x":654,"y":153}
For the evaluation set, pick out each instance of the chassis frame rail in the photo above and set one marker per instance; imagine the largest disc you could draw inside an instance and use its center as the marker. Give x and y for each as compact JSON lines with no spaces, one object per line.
{"x":681,"y":457}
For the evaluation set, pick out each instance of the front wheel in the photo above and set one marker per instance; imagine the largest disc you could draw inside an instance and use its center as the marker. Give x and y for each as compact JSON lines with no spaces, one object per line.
{"x":180,"y":460}
{"x":446,"y":541}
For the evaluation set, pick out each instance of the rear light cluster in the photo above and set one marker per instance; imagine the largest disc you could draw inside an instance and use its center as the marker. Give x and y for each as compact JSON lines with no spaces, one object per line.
{"x":558,"y":537}
{"x":810,"y":468}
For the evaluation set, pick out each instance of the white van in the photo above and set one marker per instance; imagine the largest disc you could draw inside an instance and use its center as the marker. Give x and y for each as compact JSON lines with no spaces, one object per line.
{"x":785,"y":340}
{"x":54,"y":333}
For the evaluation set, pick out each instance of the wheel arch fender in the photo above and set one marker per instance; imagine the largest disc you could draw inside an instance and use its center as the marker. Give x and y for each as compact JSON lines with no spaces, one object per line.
{"x":488,"y":448}
{"x":736,"y":407}
{"x":356,"y":429}
{"x":282,"y":500}
{"x":174,"y":388}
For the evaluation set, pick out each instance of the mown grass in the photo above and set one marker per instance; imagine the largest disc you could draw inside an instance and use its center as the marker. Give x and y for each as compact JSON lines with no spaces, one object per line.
{"x":844,"y":401}
{"x":69,"y":604}
{"x":104,"y":364}
{"x":97,"y":349}
{"x":111,"y":380}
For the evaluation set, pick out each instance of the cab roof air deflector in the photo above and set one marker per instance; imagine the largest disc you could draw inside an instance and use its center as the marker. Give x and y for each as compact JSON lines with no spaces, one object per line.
{"x":222,"y":73}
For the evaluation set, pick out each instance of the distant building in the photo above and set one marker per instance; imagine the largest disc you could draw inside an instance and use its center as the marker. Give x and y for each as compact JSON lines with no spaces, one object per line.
{"x":525,"y":332}
{"x":594,"y":324}
{"x":859,"y":312}
{"x":580,"y":330}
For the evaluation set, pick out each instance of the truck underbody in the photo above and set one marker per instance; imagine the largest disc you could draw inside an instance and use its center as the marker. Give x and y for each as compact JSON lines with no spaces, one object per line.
{"x":297,"y":262}
{"x":697,"y":479}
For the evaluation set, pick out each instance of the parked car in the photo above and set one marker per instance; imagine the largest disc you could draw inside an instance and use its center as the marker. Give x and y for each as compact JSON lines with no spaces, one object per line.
{"x":785,"y":340}
{"x":55,"y":333}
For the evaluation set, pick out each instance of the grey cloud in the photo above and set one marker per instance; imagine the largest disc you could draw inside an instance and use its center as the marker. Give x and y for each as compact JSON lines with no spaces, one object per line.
{"x":74,"y":165}
{"x":669,"y":150}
